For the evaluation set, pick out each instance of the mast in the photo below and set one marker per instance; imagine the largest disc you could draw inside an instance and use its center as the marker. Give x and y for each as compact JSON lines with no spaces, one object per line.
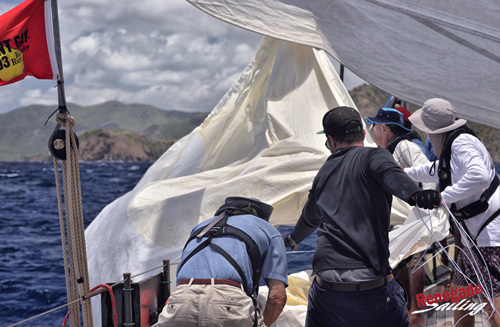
{"x":57,"y":45}
{"x":72,"y":228}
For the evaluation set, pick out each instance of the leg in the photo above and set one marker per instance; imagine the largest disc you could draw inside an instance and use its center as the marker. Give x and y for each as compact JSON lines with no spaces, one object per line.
{"x":322,"y":309}
{"x":404,"y":278}
{"x":181,"y":309}
{"x":495,"y":320}
{"x":417,"y":283}
{"x":462,"y":317}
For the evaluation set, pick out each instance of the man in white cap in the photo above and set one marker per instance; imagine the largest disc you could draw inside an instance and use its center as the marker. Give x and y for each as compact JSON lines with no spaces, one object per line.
{"x":469,"y":184}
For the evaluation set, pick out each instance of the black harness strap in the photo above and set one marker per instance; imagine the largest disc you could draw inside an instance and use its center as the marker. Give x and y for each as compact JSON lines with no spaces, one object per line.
{"x":474,"y":208}
{"x":444,"y":170}
{"x":391,"y":147}
{"x":444,"y":173}
{"x":479,"y":206}
{"x":233,"y":263}
{"x":195,"y":251}
{"x":414,"y":135}
{"x":221,"y":228}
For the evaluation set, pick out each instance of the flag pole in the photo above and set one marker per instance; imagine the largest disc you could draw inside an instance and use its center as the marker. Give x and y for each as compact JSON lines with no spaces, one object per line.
{"x":57,"y":45}
{"x":73,"y":236}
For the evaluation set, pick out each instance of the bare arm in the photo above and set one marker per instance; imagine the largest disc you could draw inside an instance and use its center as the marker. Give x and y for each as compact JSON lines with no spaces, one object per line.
{"x":276,"y":300}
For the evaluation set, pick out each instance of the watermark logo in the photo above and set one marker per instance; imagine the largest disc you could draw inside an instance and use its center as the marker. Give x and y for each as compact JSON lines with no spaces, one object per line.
{"x":457,"y":297}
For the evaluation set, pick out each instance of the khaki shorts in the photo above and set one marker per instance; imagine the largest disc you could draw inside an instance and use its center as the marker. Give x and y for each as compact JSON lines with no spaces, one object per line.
{"x":209,"y":305}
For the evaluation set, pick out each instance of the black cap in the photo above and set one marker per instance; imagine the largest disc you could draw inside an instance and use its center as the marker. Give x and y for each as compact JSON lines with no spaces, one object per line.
{"x":336,"y":120}
{"x":263,"y":210}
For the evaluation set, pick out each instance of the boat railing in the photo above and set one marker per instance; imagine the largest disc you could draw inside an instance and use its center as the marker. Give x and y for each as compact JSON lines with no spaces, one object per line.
{"x":137,"y":304}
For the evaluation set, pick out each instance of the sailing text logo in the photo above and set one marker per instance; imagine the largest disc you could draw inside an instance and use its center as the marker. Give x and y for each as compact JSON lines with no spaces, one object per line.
{"x":455,"y":296}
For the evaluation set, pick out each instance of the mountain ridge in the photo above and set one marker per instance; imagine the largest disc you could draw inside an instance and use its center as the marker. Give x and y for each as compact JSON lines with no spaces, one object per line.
{"x":23,"y":135}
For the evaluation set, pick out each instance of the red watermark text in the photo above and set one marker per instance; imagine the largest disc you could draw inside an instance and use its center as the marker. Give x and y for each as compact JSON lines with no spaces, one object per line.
{"x":458,"y":299}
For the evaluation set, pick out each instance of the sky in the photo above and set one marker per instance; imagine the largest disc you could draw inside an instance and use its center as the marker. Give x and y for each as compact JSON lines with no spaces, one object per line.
{"x":165,"y":53}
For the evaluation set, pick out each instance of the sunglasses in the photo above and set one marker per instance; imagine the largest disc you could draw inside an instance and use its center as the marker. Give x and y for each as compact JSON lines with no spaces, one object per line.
{"x":327,"y":144}
{"x":371,"y":126}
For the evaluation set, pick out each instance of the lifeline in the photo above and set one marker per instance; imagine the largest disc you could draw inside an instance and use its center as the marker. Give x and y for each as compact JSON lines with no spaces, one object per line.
{"x":454,"y":296}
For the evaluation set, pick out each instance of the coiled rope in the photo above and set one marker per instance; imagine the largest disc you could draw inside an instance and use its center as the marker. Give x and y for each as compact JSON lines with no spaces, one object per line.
{"x":113,"y":304}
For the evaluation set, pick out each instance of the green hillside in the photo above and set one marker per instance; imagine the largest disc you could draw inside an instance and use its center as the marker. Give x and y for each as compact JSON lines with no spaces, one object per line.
{"x":23,"y":134}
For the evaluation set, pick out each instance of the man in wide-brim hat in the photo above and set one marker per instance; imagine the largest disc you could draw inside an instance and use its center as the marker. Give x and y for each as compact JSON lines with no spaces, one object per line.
{"x":470,"y":186}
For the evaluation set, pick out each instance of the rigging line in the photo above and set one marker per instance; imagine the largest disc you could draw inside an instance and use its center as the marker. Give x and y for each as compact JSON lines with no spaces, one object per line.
{"x":449,"y":257}
{"x":406,"y":230}
{"x":475,"y":266}
{"x":78,"y":300}
{"x":44,"y":313}
{"x":463,"y":232}
{"x":474,"y":263}
{"x":145,"y":272}
{"x":430,"y":239}
{"x":447,"y":254}
{"x":296,"y":257}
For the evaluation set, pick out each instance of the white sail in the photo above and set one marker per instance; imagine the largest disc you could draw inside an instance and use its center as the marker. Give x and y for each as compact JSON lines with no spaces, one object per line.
{"x":260,"y":141}
{"x":413,"y":49}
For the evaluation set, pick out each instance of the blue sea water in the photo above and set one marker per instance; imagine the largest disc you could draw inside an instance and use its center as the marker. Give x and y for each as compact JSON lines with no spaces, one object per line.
{"x":31,"y":265}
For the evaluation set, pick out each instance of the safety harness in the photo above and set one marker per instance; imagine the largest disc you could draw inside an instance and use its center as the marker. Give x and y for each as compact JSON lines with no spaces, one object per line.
{"x":391,"y":147}
{"x":219,"y":228}
{"x":475,"y":208}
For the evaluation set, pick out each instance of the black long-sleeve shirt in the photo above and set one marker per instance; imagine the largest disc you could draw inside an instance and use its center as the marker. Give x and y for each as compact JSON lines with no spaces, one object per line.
{"x":350,"y":201}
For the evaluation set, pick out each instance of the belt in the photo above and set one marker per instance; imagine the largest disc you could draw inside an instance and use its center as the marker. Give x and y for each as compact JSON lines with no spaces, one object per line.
{"x":208,"y":281}
{"x":354,"y":287}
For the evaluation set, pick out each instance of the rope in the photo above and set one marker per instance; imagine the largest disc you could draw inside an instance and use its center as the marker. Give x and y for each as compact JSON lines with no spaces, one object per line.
{"x":74,"y":250}
{"x":488,"y":294}
{"x":65,"y":319}
{"x":113,"y":304}
{"x":63,"y":234}
{"x":44,"y":313}
{"x":300,"y":256}
{"x":85,"y":297}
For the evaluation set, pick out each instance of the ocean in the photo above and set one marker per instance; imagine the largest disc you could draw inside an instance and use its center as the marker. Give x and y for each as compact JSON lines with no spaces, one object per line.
{"x":31,"y":265}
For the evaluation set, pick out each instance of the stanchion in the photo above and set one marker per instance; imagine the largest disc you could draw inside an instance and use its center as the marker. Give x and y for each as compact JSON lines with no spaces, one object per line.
{"x":127,"y":297}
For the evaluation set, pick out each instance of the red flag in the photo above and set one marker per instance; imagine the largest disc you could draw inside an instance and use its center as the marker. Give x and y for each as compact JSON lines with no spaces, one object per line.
{"x":26,"y":43}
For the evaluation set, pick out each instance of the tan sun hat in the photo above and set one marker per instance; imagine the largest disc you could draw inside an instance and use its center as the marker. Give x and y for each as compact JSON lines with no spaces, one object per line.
{"x":436,"y":116}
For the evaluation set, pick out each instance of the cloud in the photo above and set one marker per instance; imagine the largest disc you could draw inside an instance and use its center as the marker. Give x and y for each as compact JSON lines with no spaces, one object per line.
{"x":164,"y":53}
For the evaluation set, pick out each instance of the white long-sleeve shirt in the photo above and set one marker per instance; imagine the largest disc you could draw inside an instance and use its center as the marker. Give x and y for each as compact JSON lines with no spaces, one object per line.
{"x":408,"y":154}
{"x":471,"y":175}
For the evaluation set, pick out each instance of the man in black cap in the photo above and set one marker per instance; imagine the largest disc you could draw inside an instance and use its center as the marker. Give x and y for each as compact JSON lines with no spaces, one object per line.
{"x":221,"y":265}
{"x":350,"y":202}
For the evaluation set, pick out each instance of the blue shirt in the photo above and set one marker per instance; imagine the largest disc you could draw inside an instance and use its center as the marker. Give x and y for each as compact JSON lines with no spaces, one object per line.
{"x":428,"y":145}
{"x":422,"y":146}
{"x":208,"y":263}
